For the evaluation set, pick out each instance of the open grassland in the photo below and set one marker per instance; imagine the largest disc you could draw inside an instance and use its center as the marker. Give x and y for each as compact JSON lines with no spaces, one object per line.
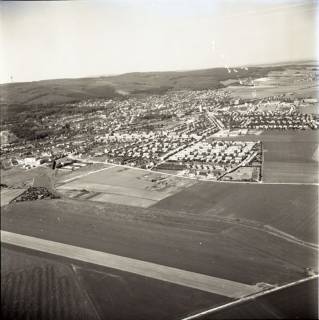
{"x":198,"y":242}
{"x":290,"y":208}
{"x":39,"y":288}
{"x":126,"y":186}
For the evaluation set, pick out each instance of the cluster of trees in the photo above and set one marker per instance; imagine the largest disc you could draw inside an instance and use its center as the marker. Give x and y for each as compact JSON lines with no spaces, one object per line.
{"x":30,"y":132}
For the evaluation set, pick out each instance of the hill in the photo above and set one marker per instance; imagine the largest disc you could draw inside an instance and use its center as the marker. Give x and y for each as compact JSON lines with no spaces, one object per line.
{"x":67,"y":90}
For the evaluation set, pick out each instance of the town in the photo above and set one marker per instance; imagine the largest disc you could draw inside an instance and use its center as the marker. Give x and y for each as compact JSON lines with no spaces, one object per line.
{"x":178,"y":131}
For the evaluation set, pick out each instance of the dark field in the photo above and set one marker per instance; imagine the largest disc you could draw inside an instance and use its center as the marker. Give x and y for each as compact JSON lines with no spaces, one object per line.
{"x":119,"y":295}
{"x":193,"y":242}
{"x":292,"y":158}
{"x":290,"y":208}
{"x":296,"y":302}
{"x":293,"y":172}
{"x":39,"y":286}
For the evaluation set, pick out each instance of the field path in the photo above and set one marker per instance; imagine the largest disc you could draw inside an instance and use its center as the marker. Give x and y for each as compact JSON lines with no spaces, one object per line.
{"x":86,"y":174}
{"x":189,"y":279}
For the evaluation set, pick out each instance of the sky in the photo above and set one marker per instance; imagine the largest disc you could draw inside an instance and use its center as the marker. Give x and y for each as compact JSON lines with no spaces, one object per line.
{"x":69,"y":39}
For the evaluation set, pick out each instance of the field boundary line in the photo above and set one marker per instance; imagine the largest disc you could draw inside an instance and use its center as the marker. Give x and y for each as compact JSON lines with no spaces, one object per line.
{"x":267,"y":229}
{"x":223,"y":287}
{"x":248,"y":298}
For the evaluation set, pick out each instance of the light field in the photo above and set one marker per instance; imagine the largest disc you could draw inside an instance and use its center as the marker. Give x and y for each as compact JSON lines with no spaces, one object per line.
{"x":125,"y":186}
{"x":7,"y":195}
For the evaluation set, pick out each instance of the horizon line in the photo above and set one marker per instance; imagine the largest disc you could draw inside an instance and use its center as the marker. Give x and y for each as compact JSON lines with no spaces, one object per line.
{"x":261,"y":65}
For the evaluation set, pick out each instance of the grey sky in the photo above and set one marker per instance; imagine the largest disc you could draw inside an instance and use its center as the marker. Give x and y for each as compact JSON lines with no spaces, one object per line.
{"x":43,"y":40}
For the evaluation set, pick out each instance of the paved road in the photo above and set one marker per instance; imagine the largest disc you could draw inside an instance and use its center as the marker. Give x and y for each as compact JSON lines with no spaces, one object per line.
{"x":193,"y":280}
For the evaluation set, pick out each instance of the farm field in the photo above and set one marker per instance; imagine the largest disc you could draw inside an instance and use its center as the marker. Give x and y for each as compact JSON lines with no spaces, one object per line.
{"x":293,"y":172}
{"x":194,"y":242}
{"x":290,"y":146}
{"x":293,"y":160}
{"x":303,"y":295}
{"x":127,"y":186}
{"x":38,"y":288}
{"x":122,"y":295}
{"x":289,"y":208}
{"x":75,"y":290}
